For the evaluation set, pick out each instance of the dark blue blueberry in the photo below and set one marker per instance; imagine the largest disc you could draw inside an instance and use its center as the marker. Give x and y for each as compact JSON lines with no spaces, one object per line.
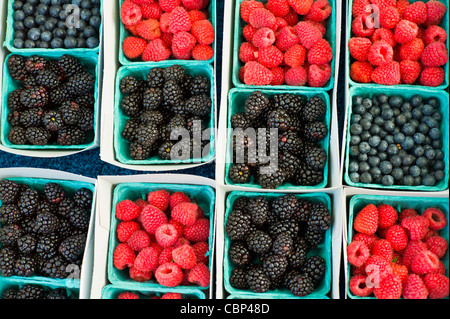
{"x":430,"y":154}
{"x":419,"y":138}
{"x":375,"y":172}
{"x":417,"y":113}
{"x":19,"y":43}
{"x":356,"y":118}
{"x":382,"y":98}
{"x":389,"y":126}
{"x":364,"y":148}
{"x":354,"y":177}
{"x":408,"y":129}
{"x":374,"y":161}
{"x":17,"y":5}
{"x":19,"y":26}
{"x":354,"y":151}
{"x":408,"y":160}
{"x":399,"y":138}
{"x":353,"y":166}
{"x":406,"y":107}
{"x":359,"y":109}
{"x":387,"y":180}
{"x":375,"y":110}
{"x":40,"y":19}
{"x":356,"y":129}
{"x":434,"y":133}
{"x":439,"y":175}
{"x":408,"y":180}
{"x":396,"y":161}
{"x":70,"y":42}
{"x":387,"y":114}
{"x":86,"y":4}
{"x":386,"y":167}
{"x":355,"y":140}
{"x":29,"y":22}
{"x":408,"y":143}
{"x":46,"y":36}
{"x":20,"y":34}
{"x":28,"y":9}
{"x":382,"y":147}
{"x":383,"y":156}
{"x":34,"y":34}
{"x":30,"y":44}
{"x":416,"y":100}
{"x":366,"y":178}
{"x":365,"y":135}
{"x":357,"y":99}
{"x":400,"y":119}
{"x":422,"y":162}
{"x":437,"y":116}
{"x":363,"y":167}
{"x":81,"y":43}
{"x":414,"y":171}
{"x":374,"y":141}
{"x":375,"y":129}
{"x":89,"y":32}
{"x":429,"y":180}
{"x":396,"y":101}
{"x":418,"y":150}
{"x":59,"y":33}
{"x":95,"y":22}
{"x":43,"y":44}
{"x":392,"y":150}
{"x":57,"y":43}
{"x":42,"y":9}
{"x":19,"y":15}
{"x":92,"y":42}
{"x":397,"y":174}
{"x":438,"y":165}
{"x":431,"y":122}
{"x":427,"y":110}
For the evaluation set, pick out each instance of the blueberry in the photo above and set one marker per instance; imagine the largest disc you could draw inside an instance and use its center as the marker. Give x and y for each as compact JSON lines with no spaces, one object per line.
{"x":417,"y":113}
{"x":430,"y":154}
{"x":85,"y":14}
{"x":367,"y":103}
{"x":356,"y":118}
{"x":387,"y":180}
{"x":375,"y":172}
{"x":396,"y":101}
{"x":414,"y":171}
{"x":396,"y":161}
{"x":439,"y":155}
{"x":374,"y":161}
{"x":368,"y":116}
{"x":28,"y":9}
{"x":406,"y":107}
{"x":34,"y":34}
{"x":408,"y":143}
{"x":18,"y":43}
{"x":359,"y":109}
{"x":357,"y":99}
{"x":363,"y":157}
{"x":95,"y":22}
{"x":397,"y":173}
{"x":387,"y":114}
{"x":438,"y":165}
{"x":408,"y":180}
{"x":399,"y":138}
{"x":354,"y":177}
{"x":416,"y":100}
{"x":57,"y":43}
{"x":92,"y":42}
{"x":382,"y":146}
{"x":383,"y":156}
{"x":366,"y":178}
{"x":433,"y":101}
{"x":427,"y":110}
{"x":20,"y":35}
{"x":408,"y":129}
{"x":375,"y":129}
{"x":374,"y":141}
{"x":429,"y":180}
{"x":386,"y":167}
{"x":29,"y":44}
{"x":19,"y":15}
{"x":365,"y":135}
{"x":392,"y":150}
{"x":354,"y":151}
{"x":29,"y":22}
{"x":70,"y":42}
{"x":418,"y":150}
{"x":382,"y":98}
{"x":408,"y":160}
{"x":437,"y":116}
{"x":434,"y":133}
{"x":400,"y":119}
{"x":419,"y":138}
{"x":439,"y":175}
{"x":375,"y":110}
{"x":17,"y":5}
{"x":431,"y":122}
{"x":355,"y":140}
{"x":55,"y":10}
{"x":356,"y":129}
{"x":422,"y":162}
{"x":353,"y":166}
{"x":389,"y":126}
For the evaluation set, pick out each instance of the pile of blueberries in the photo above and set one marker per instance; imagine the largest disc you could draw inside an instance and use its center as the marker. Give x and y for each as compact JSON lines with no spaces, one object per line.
{"x":396,"y":141}
{"x":56,"y":24}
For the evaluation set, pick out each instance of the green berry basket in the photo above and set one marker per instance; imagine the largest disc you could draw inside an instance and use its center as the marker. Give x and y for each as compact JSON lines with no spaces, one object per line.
{"x":236,"y":102}
{"x":121,"y":146}
{"x":444,"y":24}
{"x":90,"y":61}
{"x":323,"y":250}
{"x":12,"y":283}
{"x":70,"y":187}
{"x":202,"y":195}
{"x":406,"y":94}
{"x":239,"y":24}
{"x":9,"y":38}
{"x":144,"y":292}
{"x":123,"y":34}
{"x":358,"y":202}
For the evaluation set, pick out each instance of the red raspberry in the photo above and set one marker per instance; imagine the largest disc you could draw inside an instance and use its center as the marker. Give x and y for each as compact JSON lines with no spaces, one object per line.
{"x":430,"y":233}
{"x":140,"y":276}
{"x":197,"y":15}
{"x":126,"y":229}
{"x":202,"y":52}
{"x":425,"y":262}
{"x":360,"y":7}
{"x":166,"y":38}
{"x":171,"y":295}
{"x":383,"y":3}
{"x":358,"y":286}
{"x":164,"y":22}
{"x":416,"y":12}
{"x":359,"y":48}
{"x":398,"y":237}
{"x":436,"y":217}
{"x":383,"y":249}
{"x":366,"y":221}
{"x":142,"y":2}
{"x":414,"y":288}
{"x":127,"y":295}
{"x":169,"y":5}
{"x":127,"y":210}
{"x":257,"y":74}
{"x":390,"y":288}
{"x":320,"y":53}
{"x":291,"y":18}
{"x":141,"y":203}
{"x":416,"y":227}
{"x":401,"y":6}
{"x":166,"y":235}
{"x":179,"y":20}
{"x":247,"y":7}
{"x":400,"y":270}
{"x":361,"y":72}
{"x":139,"y":240}
{"x":389,"y":17}
{"x":199,"y":231}
{"x":435,"y":12}
{"x":201,"y":250}
{"x":151,"y":218}
{"x":261,"y":18}
{"x":388,"y":74}
{"x":123,"y":256}
{"x":435,"y":54}
{"x":411,"y":50}
{"x":155,"y":245}
{"x":178,"y":227}
{"x":437,"y":285}
{"x":263,"y":38}
{"x":286,"y":38}
{"x":380,"y":53}
{"x":169,"y":275}
{"x":159,"y":199}
{"x":133,"y":47}
{"x":147,"y":259}
{"x":156,"y":51}
{"x":192,"y":4}
{"x":184,"y":256}
{"x":387,"y":215}
{"x":437,"y":245}
{"x":183,"y":43}
{"x":178,"y":198}
{"x":432,"y":76}
{"x":166,"y":255}
{"x":270,"y":56}
{"x":181,"y":241}
{"x":248,"y":52}
{"x":319,"y":75}
{"x":411,"y":250}
{"x":148,"y":29}
{"x":377,"y":267}
{"x":199,"y":275}
{"x":435,"y":33}
{"x":308,"y":34}
{"x":278,"y":76}
{"x":405,"y":31}
{"x":185,"y":213}
{"x":357,"y":253}
{"x":363,"y":26}
{"x":279,"y":8}
{"x":248,"y":32}
{"x":203,"y":31}
{"x":407,"y":212}
{"x":385,"y":35}
{"x":410,"y":71}
{"x":296,"y":76}
{"x":302,"y":7}
{"x":369,"y":240}
{"x":130,"y":13}
{"x":151,"y":11}
{"x":320,"y":11}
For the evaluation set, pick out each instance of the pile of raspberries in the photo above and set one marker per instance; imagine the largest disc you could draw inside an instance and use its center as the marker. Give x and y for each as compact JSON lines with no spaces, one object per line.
{"x":165,"y":238}
{"x":167,"y":29}
{"x":407,"y":46}
{"x":396,"y":254}
{"x":283,"y":43}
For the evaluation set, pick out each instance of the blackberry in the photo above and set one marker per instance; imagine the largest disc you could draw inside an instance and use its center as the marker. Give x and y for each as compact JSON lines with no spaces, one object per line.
{"x":72,"y":248}
{"x":17,"y":67}
{"x":275,"y":266}
{"x":79,"y":217}
{"x":59,"y":95}
{"x":288,"y":226}
{"x":315,"y":131}
{"x":291,"y":103}
{"x":147,"y":135}
{"x":255,"y":105}
{"x":315,"y":156}
{"x":129,"y":131}
{"x":285,"y":206}
{"x":48,"y":79}
{"x":176,"y":126}
{"x":31,"y":292}
{"x":28,"y":202}
{"x":289,"y":163}
{"x":257,"y":280}
{"x":66,"y":205}
{"x":280,"y":120}
{"x":27,"y":224}
{"x":290,"y":142}
{"x":314,"y":109}
{"x":155,"y":78}
{"x":81,"y":83}
{"x":25,"y":266}
{"x":46,"y":207}
{"x":241,"y":203}
{"x":70,"y":135}
{"x":46,"y":223}
{"x":195,"y":124}
{"x":239,"y":173}
{"x":186,"y":85}
{"x":17,"y":135}
{"x":129,"y":84}
{"x":172,"y":92}
{"x":258,"y":209}
{"x":27,"y":244}
{"x":37,"y":135}
{"x":34,"y":97}
{"x":69,"y":65}
{"x":304,"y":210}
{"x":239,"y":120}
{"x":70,"y":112}
{"x":9,"y":214}
{"x":239,"y":254}
{"x":283,"y":245}
{"x":32,"y":117}
{"x":299,"y":254}
{"x":9,"y":191}
{"x":259,"y":241}
{"x":238,"y":279}
{"x":54,"y":192}
{"x":301,"y":285}
{"x":55,"y":267}
{"x":47,"y":246}
{"x":308,"y":176}
{"x":152,"y":99}
{"x":199,"y":105}
{"x":9,"y":294}
{"x":315,"y":269}
{"x":34,"y":64}
{"x":83,"y":197}
{"x":57,"y":294}
{"x":314,"y":236}
{"x":165,"y":149}
{"x":272,"y":180}
{"x":13,"y":101}
{"x":8,"y":257}
{"x":140,"y":152}
{"x":174,"y":73}
{"x":238,"y":225}
{"x":85,"y":100}
{"x":87,"y":120}
{"x":52,"y":121}
{"x":319,"y":217}
{"x":200,"y":85}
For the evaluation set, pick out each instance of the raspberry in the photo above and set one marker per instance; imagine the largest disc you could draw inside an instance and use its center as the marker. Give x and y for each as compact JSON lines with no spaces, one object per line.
{"x":319,"y":75}
{"x":432,"y":76}
{"x":169,"y":5}
{"x":398,"y":237}
{"x":359,"y":48}
{"x":178,"y":198}
{"x":388,"y":74}
{"x":320,"y":53}
{"x":411,"y":250}
{"x":142,"y":2}
{"x":185,"y":213}
{"x":425,"y":262}
{"x":147,"y":259}
{"x":159,"y":199}
{"x":435,"y":54}
{"x":123,"y":256}
{"x":358,"y":287}
{"x":390,"y":288}
{"x":383,"y":249}
{"x":179,"y":20}
{"x":291,"y":18}
{"x":360,"y":7}
{"x":405,"y":31}
{"x":202,"y":52}
{"x":366,"y":221}
{"x":169,"y":275}
{"x":401,"y":6}
{"x":126,"y":229}
{"x":139,"y":240}
{"x":416,"y":227}
{"x":192,"y":4}
{"x":196,"y":15}
{"x":199,"y":231}
{"x":127,"y":295}
{"x":140,"y":276}
{"x":381,"y":53}
{"x":361,"y":72}
{"x":199,"y":275}
{"x":430,"y":233}
{"x":278,"y":76}
{"x":410,"y":71}
{"x":130,"y":13}
{"x":141,"y":203}
{"x":263,"y":38}
{"x":247,"y":7}
{"x":166,"y":255}
{"x":203,"y":31}
{"x":151,"y":218}
{"x":151,"y":11}
{"x":437,"y":245}
{"x":435,"y":12}
{"x":435,"y":33}
{"x":414,"y":288}
{"x":183,"y":43}
{"x":389,"y":17}
{"x":296,"y":76}
{"x":362,"y":26}
{"x":257,"y":74}
{"x":400,"y":270}
{"x":156,"y":51}
{"x":436,"y":217}
{"x":357,"y":253}
{"x":133,"y":47}
{"x":377,"y":267}
{"x":411,"y":50}
{"x":308,"y":34}
{"x":279,"y":8}
{"x":385,"y":35}
{"x":166,"y":235}
{"x":407,"y":212}
{"x":320,"y":11}
{"x":261,"y":18}
{"x":184,"y":256}
{"x":387,"y":215}
{"x":302,"y":7}
{"x":164,"y":22}
{"x":270,"y":56}
{"x":127,"y":210}
{"x":248,"y":52}
{"x":369,"y":240}
{"x":416,"y":12}
{"x":437,"y":285}
{"x":148,"y":29}
{"x":171,"y":295}
{"x":383,"y":3}
{"x":201,"y":250}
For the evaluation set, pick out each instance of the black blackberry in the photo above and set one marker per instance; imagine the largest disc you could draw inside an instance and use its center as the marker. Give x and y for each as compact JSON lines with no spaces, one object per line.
{"x":308,"y":176}
{"x":8,"y":257}
{"x":175,"y":126}
{"x":66,"y":205}
{"x":25,"y":266}
{"x":239,"y":254}
{"x":290,"y":142}
{"x":79,"y":217}
{"x":28,"y":202}
{"x":272,"y":180}
{"x":315,"y":131}
{"x":54,"y":192}
{"x":314,"y":109}
{"x":257,"y":280}
{"x":87,"y":119}
{"x":81,"y":83}
{"x":195,"y":124}
{"x":27,"y":244}
{"x":129,"y":131}
{"x":9,"y":214}
{"x":59,"y":95}
{"x":172,"y":92}
{"x":140,"y":152}
{"x":147,"y":134}
{"x":165,"y":149}
{"x":315,"y":267}
{"x":57,"y":294}
{"x":38,"y":135}
{"x":52,"y":120}
{"x":319,"y":217}
{"x":289,"y":163}
{"x":275,"y":266}
{"x":13,"y":118}
{"x":238,"y":279}
{"x":258,"y":209}
{"x":17,"y":136}
{"x":304,"y":210}
{"x":301,"y":285}
{"x":280,"y":120}
{"x":69,"y":65}
{"x":239,"y":173}
{"x":85,"y":100}
{"x":72,"y":248}
{"x":283,"y":245}
{"x":35,"y":63}
{"x":152,"y":99}
{"x":238,"y":225}
{"x":13,"y":102}
{"x":129,"y":84}
{"x":299,"y":254}
{"x":34,"y":97}
{"x":291,"y":103}
{"x":315,"y":156}
{"x":155,"y":78}
{"x":255,"y":105}
{"x":288,"y":226}
{"x":48,"y":79}
{"x":31,"y":117}
{"x":46,"y":223}
{"x":17,"y":67}
{"x":239,"y":120}
{"x":285,"y":206}
{"x":66,"y":228}
{"x":314,"y":236}
{"x":241,"y":203}
{"x":174,"y":73}
{"x":27,"y":224}
{"x":70,"y":112}
{"x":199,"y":105}
{"x":71,"y":135}
{"x":55,"y":267}
{"x":259,"y":241}
{"x":47,"y":246}
{"x":199,"y":85}
{"x":9,"y":191}
{"x":31,"y":292}
{"x":9,"y":294}
{"x":83,"y":197}
{"x":45,"y":206}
